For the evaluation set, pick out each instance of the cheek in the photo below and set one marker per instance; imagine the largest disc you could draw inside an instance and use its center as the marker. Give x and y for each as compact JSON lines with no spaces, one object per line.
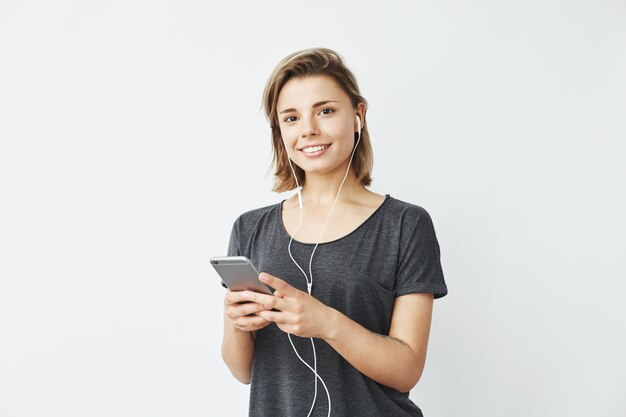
{"x":342,"y":132}
{"x":289,"y":146}
{"x":289,"y":137}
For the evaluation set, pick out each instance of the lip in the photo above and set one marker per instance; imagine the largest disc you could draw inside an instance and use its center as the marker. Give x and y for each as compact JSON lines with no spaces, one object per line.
{"x":313,"y":144}
{"x":318,"y":153}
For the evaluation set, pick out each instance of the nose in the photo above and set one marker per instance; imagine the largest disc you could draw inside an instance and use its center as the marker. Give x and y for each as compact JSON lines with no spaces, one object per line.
{"x":309,"y":127}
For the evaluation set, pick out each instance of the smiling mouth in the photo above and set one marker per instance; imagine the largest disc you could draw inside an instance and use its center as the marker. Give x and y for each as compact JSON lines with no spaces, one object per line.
{"x":312,"y":149}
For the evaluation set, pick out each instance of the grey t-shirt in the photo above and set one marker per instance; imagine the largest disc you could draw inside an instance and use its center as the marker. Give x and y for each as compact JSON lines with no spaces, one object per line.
{"x":394,"y":252}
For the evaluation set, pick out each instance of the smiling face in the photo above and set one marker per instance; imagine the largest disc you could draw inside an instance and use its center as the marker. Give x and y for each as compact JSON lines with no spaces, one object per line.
{"x":317,"y":124}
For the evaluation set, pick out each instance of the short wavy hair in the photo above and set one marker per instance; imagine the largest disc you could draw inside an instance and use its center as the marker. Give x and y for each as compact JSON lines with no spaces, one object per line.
{"x":309,"y":62}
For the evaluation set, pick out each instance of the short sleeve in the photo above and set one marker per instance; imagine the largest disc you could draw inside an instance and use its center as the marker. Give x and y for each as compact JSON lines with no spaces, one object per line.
{"x":233,"y":244}
{"x":419,"y":268}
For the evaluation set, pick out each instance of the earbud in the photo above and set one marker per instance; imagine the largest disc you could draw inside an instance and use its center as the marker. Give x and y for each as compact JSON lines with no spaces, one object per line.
{"x":358,"y":122}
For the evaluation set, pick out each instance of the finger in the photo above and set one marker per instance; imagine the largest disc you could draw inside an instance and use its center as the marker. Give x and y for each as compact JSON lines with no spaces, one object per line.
{"x":233,"y":311}
{"x":267,"y":301}
{"x":277,"y":283}
{"x":278,"y":294}
{"x":249,"y":323}
{"x":262,"y":325}
{"x":234,"y":297}
{"x":277,"y":317}
{"x":249,"y":308}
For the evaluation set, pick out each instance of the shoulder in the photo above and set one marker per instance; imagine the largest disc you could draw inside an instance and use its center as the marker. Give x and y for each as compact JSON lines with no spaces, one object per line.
{"x":408,"y":215}
{"x":252,"y":218}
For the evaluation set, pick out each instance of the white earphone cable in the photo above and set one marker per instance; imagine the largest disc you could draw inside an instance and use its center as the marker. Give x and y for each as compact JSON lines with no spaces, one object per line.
{"x":332,"y":209}
{"x":310,"y":283}
{"x":314,"y":369}
{"x":309,"y":287}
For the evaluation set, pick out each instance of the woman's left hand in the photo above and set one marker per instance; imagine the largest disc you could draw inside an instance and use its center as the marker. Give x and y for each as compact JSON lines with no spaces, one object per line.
{"x":298,"y":312}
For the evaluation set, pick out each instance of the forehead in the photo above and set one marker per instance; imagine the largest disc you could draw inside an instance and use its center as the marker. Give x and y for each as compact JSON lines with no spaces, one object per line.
{"x":301,"y":92}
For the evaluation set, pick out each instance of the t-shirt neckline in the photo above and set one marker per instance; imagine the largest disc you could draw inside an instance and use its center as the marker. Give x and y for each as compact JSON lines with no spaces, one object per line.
{"x":288,"y":236}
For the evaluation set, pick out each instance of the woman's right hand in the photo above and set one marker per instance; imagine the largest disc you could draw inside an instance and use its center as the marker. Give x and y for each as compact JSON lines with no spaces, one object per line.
{"x":242,"y":313}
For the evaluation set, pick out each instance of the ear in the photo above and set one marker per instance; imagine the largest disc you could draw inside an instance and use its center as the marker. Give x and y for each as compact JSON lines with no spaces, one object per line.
{"x":360,"y":112}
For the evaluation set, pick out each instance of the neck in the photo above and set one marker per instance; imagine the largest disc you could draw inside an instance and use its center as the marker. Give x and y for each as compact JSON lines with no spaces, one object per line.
{"x":322,"y":189}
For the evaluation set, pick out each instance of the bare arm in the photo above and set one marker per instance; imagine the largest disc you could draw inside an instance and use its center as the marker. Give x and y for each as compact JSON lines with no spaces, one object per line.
{"x":239,"y":331}
{"x":396,"y":360}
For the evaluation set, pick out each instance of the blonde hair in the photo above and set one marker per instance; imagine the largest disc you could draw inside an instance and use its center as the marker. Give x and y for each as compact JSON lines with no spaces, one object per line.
{"x":309,"y":62}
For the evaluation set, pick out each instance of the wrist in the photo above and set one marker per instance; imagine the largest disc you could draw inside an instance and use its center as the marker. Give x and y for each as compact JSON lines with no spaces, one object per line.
{"x":333,"y":326}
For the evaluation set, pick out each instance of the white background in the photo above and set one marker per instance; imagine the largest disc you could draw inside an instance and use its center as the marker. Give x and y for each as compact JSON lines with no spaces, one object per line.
{"x":132,"y":137}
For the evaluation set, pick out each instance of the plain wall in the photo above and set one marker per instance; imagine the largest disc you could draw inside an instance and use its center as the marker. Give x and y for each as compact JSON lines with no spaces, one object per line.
{"x":132,"y":137}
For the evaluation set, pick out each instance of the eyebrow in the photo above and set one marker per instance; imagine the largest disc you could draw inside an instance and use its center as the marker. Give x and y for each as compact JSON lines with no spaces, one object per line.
{"x":319,"y":103}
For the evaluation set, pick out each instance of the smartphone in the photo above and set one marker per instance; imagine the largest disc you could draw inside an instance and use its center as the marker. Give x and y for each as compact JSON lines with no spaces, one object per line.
{"x":238,"y":273}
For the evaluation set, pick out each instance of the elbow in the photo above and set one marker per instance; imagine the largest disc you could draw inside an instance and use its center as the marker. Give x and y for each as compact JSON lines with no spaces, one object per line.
{"x":245,"y":381}
{"x":241,"y":373}
{"x":410,"y":380}
{"x":406,"y":386}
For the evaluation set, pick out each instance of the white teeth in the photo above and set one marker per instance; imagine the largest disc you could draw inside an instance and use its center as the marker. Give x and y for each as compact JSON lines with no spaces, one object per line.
{"x":315,"y":148}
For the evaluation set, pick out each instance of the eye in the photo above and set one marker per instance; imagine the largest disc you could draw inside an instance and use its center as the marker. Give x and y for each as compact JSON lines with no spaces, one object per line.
{"x":288,"y":119}
{"x":328,"y":110}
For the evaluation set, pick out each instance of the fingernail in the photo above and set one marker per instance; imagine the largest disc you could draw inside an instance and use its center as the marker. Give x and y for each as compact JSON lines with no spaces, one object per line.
{"x":263,"y":277}
{"x":246,"y":295}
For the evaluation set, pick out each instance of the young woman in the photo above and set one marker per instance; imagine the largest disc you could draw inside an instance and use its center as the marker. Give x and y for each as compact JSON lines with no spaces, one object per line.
{"x":355,"y":272}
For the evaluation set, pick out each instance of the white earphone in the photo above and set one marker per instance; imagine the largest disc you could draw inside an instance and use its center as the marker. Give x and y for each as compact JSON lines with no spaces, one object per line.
{"x":299,"y":188}
{"x":310,"y":282}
